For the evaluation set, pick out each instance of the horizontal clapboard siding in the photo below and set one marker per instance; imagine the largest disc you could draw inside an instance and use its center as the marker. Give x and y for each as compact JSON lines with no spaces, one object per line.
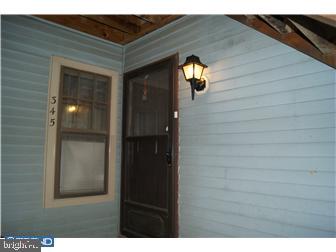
{"x":257,"y":152}
{"x":27,"y":45}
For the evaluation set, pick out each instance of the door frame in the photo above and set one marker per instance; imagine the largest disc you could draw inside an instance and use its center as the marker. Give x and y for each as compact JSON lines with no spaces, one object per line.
{"x":173,"y":60}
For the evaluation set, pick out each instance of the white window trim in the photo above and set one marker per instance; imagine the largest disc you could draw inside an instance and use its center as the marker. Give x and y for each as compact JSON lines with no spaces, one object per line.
{"x":50,"y":137}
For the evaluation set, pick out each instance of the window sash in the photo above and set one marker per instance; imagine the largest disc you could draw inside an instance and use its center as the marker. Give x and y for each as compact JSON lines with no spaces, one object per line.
{"x":57,"y":190}
{"x":75,"y":130}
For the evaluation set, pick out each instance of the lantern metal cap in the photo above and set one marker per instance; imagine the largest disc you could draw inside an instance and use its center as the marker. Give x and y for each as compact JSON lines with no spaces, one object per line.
{"x":193,"y":59}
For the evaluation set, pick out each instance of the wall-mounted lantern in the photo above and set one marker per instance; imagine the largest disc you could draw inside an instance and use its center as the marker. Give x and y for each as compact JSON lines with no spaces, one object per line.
{"x":193,"y":70}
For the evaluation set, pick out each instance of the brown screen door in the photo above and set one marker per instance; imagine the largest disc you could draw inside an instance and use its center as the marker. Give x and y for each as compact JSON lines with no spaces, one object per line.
{"x":149,"y":169}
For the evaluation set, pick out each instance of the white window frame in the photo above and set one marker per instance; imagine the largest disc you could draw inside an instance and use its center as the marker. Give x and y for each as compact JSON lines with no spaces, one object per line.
{"x":51,"y":131}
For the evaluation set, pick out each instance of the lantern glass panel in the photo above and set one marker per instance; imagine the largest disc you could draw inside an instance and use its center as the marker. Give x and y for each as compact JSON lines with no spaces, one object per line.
{"x":188,"y":71}
{"x":198,"y":71}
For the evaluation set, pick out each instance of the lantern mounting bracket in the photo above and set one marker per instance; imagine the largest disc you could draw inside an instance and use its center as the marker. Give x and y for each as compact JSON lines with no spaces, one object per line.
{"x":197,"y":85}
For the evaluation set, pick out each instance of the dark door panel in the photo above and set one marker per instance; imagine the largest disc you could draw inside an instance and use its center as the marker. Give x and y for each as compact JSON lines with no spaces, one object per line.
{"x":146,"y":221}
{"x":149,"y":170}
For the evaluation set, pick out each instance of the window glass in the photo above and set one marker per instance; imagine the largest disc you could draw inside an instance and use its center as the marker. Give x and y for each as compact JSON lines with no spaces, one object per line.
{"x":84,"y":115}
{"x":82,"y":164}
{"x":70,"y":108}
{"x":99,"y":120}
{"x":70,"y":84}
{"x":101,"y":90}
{"x":86,"y":84}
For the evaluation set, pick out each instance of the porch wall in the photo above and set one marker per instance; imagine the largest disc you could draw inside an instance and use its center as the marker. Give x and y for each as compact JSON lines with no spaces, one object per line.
{"x":257,"y":152}
{"x":27,"y":45}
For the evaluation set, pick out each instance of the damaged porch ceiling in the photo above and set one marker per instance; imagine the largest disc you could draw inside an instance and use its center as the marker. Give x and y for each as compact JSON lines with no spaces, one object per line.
{"x":314,"y":35}
{"x":120,"y":29}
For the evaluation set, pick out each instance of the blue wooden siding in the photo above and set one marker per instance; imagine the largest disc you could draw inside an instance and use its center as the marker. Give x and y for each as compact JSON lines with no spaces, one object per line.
{"x":27,"y":45}
{"x":257,"y":152}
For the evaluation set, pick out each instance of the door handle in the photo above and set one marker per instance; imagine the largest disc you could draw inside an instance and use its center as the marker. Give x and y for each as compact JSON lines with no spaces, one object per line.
{"x":156,"y":147}
{"x":169,"y":157}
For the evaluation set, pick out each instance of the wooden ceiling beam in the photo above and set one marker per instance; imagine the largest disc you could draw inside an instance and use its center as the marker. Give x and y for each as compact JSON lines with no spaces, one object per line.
{"x":116,"y":23}
{"x":276,"y":24}
{"x":322,"y":44}
{"x":292,"y":39}
{"x":154,"y":19}
{"x":147,"y":19}
{"x":321,"y":29}
{"x":132,"y":19}
{"x":89,"y":26}
{"x":120,"y":29}
{"x":326,"y":19}
{"x":149,"y":27}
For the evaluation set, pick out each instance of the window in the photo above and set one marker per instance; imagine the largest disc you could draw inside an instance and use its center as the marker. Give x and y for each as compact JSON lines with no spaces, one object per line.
{"x":82,"y":142}
{"x":80,"y":135}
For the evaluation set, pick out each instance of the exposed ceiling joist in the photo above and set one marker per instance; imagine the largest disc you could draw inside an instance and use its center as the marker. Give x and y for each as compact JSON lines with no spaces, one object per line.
{"x":116,"y":23}
{"x":314,"y":35}
{"x":149,"y":27}
{"x":323,"y":30}
{"x":327,"y":19}
{"x":276,"y":24}
{"x":87,"y":25}
{"x":309,"y":36}
{"x":322,"y":44}
{"x":153,"y":19}
{"x":120,"y":29}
